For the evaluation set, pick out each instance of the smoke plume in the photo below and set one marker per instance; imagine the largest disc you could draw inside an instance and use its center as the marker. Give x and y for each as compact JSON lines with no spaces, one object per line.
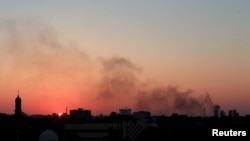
{"x":170,"y":99}
{"x":34,"y":57}
{"x":120,"y":84}
{"x":118,"y":78}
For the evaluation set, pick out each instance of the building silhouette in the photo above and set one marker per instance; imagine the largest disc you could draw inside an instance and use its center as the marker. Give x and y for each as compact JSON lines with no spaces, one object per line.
{"x":216,"y":110}
{"x":80,"y":115}
{"x":125,"y":112}
{"x":81,"y":125}
{"x":18,"y":105}
{"x":222,"y":113}
{"x":233,"y":113}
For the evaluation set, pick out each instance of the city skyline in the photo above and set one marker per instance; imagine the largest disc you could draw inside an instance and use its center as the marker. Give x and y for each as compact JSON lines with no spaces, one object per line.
{"x":80,"y":124}
{"x":214,"y":111}
{"x":160,"y":56}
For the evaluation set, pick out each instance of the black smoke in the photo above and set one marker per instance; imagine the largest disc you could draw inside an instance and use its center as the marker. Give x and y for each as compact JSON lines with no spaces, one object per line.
{"x":35,"y":57}
{"x":120,"y":83}
{"x":118,"y":78}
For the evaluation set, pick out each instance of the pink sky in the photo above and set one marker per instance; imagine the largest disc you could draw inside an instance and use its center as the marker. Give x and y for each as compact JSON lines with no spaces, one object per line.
{"x":106,"y":56}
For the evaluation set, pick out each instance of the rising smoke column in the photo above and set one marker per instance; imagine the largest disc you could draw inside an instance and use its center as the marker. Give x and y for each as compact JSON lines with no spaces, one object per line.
{"x":120,"y":85}
{"x":35,"y":58}
{"x":169,"y":99}
{"x":118,"y":81}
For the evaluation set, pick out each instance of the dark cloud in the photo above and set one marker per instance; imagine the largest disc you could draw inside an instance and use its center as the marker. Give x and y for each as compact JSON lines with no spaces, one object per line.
{"x":33,"y":53}
{"x":170,"y":99}
{"x":120,"y":82}
{"x":118,"y":78}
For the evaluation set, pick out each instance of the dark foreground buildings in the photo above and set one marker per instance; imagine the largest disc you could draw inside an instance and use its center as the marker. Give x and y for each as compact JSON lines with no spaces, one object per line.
{"x":80,"y":125}
{"x":139,"y":126}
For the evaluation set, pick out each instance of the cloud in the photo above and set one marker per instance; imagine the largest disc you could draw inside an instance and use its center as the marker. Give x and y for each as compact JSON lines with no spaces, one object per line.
{"x":120,"y":84}
{"x":169,"y":99}
{"x":118,"y":78}
{"x":35,"y":57}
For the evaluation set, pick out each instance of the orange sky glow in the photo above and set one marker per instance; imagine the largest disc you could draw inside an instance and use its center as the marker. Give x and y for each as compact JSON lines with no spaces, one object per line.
{"x":163,"y":57}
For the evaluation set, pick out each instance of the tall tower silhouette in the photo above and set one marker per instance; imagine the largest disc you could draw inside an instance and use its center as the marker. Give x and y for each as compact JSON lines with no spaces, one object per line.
{"x":18,"y":105}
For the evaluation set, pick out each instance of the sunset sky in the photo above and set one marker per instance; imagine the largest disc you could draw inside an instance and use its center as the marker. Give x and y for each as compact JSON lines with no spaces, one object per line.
{"x":164,"y":56}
